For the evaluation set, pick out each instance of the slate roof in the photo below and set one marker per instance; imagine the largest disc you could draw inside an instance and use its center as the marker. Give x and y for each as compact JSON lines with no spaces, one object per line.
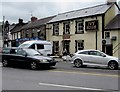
{"x":95,"y":10}
{"x":114,"y":24}
{"x":17,"y":27}
{"x":11,"y":27}
{"x":37,"y":23}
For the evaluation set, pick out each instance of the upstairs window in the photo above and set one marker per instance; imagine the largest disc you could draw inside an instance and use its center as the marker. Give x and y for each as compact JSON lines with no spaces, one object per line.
{"x":56,"y":29}
{"x":107,"y":35}
{"x":66,"y":28}
{"x":79,"y":27}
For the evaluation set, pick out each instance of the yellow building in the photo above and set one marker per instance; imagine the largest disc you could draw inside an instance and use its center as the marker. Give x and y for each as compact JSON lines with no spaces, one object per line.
{"x":81,"y":29}
{"x":112,"y":32}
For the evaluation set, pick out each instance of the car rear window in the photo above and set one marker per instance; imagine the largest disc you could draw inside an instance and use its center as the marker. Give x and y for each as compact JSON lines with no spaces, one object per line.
{"x":6,"y":51}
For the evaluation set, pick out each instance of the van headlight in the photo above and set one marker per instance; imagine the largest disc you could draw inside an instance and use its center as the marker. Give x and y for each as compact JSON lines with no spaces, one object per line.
{"x":43,"y":61}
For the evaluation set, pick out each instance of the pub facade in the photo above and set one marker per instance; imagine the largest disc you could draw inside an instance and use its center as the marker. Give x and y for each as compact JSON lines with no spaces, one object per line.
{"x":81,"y":29}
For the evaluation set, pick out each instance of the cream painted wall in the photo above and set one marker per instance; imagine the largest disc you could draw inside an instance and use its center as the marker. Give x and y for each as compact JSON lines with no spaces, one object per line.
{"x":89,"y":37}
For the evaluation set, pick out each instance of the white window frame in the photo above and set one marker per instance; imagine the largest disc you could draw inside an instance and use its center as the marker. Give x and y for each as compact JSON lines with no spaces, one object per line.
{"x":80,"y":44}
{"x":67,"y":30}
{"x":80,"y":29}
{"x":56,"y":29}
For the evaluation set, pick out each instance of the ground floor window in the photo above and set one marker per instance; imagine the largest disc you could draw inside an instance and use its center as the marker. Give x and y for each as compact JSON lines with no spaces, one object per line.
{"x":55,"y":47}
{"x":79,"y":45}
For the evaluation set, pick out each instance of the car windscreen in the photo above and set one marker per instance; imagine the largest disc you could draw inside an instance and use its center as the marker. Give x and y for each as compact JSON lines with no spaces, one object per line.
{"x":32,"y":52}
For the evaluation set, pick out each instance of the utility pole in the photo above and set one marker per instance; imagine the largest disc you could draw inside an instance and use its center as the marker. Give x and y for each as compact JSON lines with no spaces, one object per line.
{"x":3,"y":29}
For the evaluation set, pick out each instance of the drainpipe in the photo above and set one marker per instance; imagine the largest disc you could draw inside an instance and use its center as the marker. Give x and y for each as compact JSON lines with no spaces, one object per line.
{"x":3,"y":29}
{"x":96,"y":36}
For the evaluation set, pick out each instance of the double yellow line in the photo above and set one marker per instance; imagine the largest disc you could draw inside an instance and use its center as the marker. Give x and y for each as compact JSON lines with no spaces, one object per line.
{"x":85,"y":73}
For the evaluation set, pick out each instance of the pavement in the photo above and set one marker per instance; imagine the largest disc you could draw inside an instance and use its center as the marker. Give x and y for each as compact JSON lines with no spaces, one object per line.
{"x":63,"y":58}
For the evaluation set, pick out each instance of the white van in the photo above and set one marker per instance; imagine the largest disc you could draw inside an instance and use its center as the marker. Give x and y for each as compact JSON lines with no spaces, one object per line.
{"x":44,"y":47}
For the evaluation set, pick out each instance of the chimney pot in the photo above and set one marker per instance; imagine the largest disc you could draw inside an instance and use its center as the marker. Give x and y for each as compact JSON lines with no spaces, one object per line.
{"x":33,"y":19}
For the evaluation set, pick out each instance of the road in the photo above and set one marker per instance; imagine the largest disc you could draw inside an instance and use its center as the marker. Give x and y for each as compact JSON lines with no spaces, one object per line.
{"x":61,"y":77}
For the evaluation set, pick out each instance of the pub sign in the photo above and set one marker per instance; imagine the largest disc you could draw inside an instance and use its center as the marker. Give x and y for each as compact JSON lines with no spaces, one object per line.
{"x":91,"y":25}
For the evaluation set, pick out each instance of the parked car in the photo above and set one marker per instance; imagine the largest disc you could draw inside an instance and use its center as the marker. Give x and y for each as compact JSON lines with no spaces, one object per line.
{"x":44,"y":47}
{"x":23,"y":56}
{"x":95,"y":57}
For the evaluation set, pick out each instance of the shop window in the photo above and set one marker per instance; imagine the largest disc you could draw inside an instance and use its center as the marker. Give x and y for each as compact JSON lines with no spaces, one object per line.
{"x":79,"y":45}
{"x":56,"y":29}
{"x":66,"y":28}
{"x":79,"y":27}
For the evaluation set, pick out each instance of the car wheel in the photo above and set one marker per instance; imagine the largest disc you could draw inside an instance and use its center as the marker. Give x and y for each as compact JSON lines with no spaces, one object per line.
{"x":113,"y":65}
{"x":78,"y":63}
{"x":5,"y":63}
{"x":33,"y":65}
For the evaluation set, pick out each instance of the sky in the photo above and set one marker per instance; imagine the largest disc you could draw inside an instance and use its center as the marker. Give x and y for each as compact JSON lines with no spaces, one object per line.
{"x":15,"y":9}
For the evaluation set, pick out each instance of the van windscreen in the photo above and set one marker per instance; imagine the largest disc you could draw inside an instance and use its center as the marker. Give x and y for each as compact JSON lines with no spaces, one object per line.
{"x":24,"y":45}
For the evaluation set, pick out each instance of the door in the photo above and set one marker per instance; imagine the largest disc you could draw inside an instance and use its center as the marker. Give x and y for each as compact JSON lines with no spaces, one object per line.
{"x":97,"y":57}
{"x":109,"y":50}
{"x":66,"y":46}
{"x":84,"y":56}
{"x":20,"y":57}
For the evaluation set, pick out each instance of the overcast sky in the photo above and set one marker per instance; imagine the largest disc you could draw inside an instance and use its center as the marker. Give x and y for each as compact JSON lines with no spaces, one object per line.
{"x":15,"y":9}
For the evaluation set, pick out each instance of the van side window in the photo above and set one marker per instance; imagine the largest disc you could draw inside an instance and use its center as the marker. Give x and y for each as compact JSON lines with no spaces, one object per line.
{"x":40,"y":46}
{"x":32,"y":46}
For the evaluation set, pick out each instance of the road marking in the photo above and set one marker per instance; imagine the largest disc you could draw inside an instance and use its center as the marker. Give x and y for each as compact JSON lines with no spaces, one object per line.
{"x":66,"y":86}
{"x":94,"y":74}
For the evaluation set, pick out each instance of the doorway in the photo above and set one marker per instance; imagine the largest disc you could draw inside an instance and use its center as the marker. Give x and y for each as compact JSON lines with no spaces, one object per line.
{"x":66,"y":45}
{"x":109,"y":49}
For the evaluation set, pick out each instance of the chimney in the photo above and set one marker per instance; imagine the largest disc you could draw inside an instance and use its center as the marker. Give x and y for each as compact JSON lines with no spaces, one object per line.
{"x":110,"y":1}
{"x":33,"y":19}
{"x":20,"y":21}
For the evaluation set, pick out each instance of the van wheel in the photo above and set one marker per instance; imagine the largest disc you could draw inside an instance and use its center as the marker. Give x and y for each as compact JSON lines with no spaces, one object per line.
{"x":33,"y":65}
{"x":78,"y":63}
{"x":5,"y":63}
{"x":112,"y":65}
